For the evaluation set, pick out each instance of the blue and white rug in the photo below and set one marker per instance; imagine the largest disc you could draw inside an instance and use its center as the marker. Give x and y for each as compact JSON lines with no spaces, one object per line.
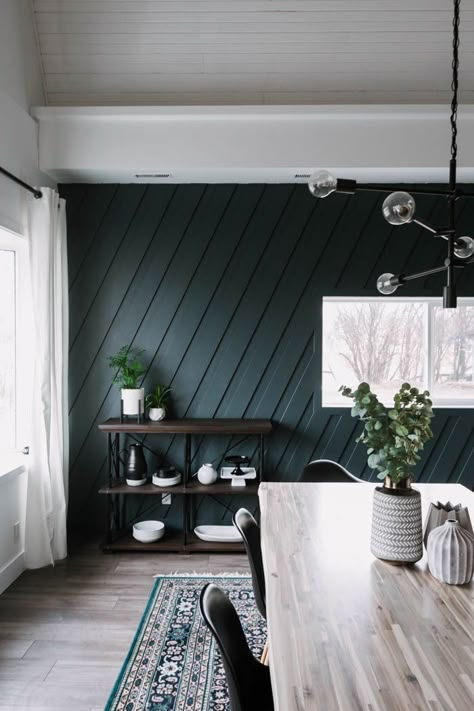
{"x":173,"y":663}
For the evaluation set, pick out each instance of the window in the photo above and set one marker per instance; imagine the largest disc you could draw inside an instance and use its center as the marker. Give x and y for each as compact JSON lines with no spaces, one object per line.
{"x":386,"y":342}
{"x":12,"y":350}
{"x":7,"y":349}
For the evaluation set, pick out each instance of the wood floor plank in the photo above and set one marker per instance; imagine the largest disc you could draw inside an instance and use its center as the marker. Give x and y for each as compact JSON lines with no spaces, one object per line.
{"x":25,"y":671}
{"x":57,"y":602}
{"x":14,"y":648}
{"x":65,"y":630}
{"x":66,"y":671}
{"x":66,"y":651}
{"x":81,"y":707}
{"x":60,"y":697}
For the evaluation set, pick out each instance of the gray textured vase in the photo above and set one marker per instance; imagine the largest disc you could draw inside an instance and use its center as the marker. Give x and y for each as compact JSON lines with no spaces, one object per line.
{"x":451,"y":553}
{"x":396,"y":525}
{"x":439,"y":513}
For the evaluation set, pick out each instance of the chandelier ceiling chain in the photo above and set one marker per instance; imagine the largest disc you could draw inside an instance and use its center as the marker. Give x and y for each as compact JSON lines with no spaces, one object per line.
{"x":399,"y":207}
{"x":455,"y":83}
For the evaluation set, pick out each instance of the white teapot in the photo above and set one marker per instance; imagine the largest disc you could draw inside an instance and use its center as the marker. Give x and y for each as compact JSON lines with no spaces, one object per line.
{"x":207,"y":474}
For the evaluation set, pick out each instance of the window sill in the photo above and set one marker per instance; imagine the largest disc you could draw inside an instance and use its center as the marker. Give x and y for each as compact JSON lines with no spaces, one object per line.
{"x":12,"y":464}
{"x":436,"y":406}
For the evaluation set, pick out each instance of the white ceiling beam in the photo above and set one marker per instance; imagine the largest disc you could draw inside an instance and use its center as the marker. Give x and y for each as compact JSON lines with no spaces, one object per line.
{"x":251,"y":143}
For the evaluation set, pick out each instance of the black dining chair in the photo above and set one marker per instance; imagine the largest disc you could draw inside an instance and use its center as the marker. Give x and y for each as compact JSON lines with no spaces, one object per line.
{"x":248,"y":680}
{"x":325,"y":470}
{"x":250,"y":532}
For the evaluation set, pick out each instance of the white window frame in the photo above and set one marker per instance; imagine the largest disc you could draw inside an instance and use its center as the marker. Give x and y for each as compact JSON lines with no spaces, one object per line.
{"x":430,"y":301}
{"x":14,"y":242}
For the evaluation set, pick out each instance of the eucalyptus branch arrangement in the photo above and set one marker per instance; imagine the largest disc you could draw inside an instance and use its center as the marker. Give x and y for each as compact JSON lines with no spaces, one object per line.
{"x":394,"y":436}
{"x":128,"y":366}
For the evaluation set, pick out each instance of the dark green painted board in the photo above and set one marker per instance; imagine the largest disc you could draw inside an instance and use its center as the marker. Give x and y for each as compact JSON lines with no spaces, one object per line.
{"x":222,"y":286}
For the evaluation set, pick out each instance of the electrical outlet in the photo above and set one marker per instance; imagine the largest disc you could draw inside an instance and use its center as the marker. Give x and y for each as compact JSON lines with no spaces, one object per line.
{"x":166,"y":499}
{"x":16,"y":532}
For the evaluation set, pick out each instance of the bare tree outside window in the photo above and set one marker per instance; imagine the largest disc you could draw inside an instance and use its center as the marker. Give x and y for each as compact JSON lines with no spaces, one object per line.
{"x":453,"y":352}
{"x":375,"y":342}
{"x":386,"y":342}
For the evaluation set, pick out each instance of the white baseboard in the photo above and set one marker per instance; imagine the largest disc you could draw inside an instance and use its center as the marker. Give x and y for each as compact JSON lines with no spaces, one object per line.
{"x":11,"y":571}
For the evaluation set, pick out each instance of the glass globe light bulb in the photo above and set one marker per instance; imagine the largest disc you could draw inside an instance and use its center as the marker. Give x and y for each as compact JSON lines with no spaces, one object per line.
{"x":398,"y":208}
{"x":465,"y":250}
{"x":322,"y":184}
{"x":384,"y":286}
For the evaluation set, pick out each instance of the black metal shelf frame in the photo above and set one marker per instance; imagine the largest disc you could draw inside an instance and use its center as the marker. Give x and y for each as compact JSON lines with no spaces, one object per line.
{"x":115,"y":518}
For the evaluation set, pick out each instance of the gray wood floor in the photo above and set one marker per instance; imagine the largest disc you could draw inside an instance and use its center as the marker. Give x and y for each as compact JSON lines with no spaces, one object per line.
{"x":65,"y":631}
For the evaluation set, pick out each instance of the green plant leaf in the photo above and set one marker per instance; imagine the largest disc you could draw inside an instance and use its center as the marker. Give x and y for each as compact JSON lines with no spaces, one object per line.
{"x":373,"y":460}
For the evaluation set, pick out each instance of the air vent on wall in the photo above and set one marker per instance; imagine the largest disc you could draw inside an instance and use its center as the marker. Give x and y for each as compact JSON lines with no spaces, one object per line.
{"x":153,"y":175}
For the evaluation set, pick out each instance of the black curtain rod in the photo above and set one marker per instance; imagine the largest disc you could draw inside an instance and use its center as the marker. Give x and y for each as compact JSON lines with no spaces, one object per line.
{"x":37,"y":193}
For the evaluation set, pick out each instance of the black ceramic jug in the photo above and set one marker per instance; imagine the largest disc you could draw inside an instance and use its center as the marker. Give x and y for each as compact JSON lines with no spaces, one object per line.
{"x":135,"y":469}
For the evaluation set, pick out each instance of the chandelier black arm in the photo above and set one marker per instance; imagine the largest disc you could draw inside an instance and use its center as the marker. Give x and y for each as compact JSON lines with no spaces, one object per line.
{"x":405,"y":188}
{"x":400,"y":279}
{"x":351,"y":186}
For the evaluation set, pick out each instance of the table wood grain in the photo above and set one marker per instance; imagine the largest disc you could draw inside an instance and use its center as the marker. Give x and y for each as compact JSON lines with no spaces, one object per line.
{"x":346,"y":631}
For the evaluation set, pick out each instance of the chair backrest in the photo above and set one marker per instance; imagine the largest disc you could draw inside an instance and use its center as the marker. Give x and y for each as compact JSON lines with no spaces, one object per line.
{"x":250,"y":532}
{"x":325,"y":470}
{"x":248,"y":680}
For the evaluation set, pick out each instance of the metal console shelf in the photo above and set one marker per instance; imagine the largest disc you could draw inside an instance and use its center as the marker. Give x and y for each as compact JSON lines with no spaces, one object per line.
{"x":118,"y":537}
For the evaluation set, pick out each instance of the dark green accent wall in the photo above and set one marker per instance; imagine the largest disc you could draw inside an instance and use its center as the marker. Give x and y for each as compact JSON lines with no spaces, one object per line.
{"x":222,"y":285}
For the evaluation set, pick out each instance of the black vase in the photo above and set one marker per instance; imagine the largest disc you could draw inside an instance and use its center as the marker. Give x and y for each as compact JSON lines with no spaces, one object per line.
{"x":135,"y":469}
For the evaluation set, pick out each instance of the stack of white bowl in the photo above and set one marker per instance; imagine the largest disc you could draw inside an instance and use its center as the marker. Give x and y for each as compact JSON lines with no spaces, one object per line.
{"x":148,"y":531}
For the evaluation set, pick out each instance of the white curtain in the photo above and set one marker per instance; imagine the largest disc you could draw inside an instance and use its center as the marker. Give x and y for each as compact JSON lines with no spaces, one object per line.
{"x":46,"y":507}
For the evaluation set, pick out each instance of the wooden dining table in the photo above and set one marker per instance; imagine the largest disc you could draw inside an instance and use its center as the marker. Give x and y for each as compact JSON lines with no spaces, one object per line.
{"x":347,"y":631}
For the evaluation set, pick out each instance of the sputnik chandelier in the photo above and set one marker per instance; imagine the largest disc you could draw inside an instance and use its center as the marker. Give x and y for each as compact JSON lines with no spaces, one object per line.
{"x":399,"y":207}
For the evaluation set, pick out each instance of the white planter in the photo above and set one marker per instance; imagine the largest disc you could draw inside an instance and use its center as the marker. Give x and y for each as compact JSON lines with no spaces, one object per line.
{"x":133,"y":401}
{"x":156,"y":413}
{"x":207,"y":474}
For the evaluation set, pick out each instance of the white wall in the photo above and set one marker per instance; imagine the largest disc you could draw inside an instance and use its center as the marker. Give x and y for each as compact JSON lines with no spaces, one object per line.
{"x":12,"y":523}
{"x":20,"y":88}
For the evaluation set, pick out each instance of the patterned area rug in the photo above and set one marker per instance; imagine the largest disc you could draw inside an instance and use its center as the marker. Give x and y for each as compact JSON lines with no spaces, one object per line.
{"x":173,"y":663}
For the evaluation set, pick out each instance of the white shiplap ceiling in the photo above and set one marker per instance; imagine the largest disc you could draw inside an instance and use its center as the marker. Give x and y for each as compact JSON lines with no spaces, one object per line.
{"x":218,"y":52}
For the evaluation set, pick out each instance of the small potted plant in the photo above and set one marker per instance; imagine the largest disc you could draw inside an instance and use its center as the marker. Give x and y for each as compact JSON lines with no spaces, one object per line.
{"x":394,"y":437}
{"x":129,"y":369}
{"x":157,"y":402}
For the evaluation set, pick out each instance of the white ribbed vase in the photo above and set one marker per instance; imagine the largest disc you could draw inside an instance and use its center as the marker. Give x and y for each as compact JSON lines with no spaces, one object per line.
{"x":451,"y":553}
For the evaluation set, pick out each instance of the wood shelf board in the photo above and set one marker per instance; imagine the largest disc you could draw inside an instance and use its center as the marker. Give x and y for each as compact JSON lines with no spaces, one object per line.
{"x":146,"y":489}
{"x":195,"y":545}
{"x":194,"y":488}
{"x":174,"y":543}
{"x":190,"y":426}
{"x":221,"y":488}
